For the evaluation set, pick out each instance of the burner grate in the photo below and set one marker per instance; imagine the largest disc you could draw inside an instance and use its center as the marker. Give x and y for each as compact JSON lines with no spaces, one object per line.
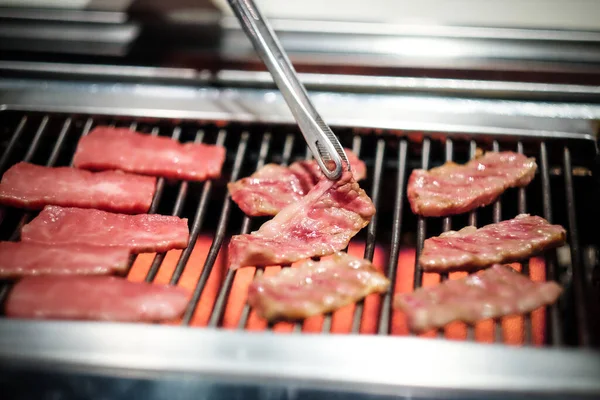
{"x":392,"y":239}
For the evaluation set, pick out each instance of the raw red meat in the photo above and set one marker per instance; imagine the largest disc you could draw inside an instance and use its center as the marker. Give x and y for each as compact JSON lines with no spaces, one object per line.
{"x":313,"y":288}
{"x":320,"y":223}
{"x":455,"y":189}
{"x":496,"y":292}
{"x":105,"y":298}
{"x":140,"y":233}
{"x":267,"y":191}
{"x":121,"y":148}
{"x":33,"y":187}
{"x":273,"y":187}
{"x":25,"y":258}
{"x":507,"y":241}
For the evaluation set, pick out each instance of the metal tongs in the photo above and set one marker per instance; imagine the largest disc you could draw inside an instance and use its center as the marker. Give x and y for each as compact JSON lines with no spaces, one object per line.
{"x":322,"y":142}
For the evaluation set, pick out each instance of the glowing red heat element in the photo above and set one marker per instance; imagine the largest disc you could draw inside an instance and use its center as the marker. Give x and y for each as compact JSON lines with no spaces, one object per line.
{"x":33,"y":187}
{"x":513,"y":327}
{"x":120,"y":148}
{"x":139,"y":233}
{"x":455,"y":189}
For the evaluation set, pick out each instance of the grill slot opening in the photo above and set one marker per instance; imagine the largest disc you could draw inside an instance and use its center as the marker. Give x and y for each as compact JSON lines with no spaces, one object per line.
{"x":393,"y":240}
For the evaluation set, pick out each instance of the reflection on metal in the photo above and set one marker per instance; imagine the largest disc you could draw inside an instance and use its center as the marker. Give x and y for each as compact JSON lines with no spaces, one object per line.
{"x":63,"y":15}
{"x":447,"y":47}
{"x":389,"y":29}
{"x":390,"y":111}
{"x":316,"y":360}
{"x":415,"y":84}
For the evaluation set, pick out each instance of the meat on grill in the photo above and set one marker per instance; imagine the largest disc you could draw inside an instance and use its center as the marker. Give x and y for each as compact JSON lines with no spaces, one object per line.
{"x":455,"y":189}
{"x":32,"y":186}
{"x":126,"y":150}
{"x":493,"y":293}
{"x":313,"y":288}
{"x":319,"y":224}
{"x":140,"y":233}
{"x":273,"y":187}
{"x":24,"y":259}
{"x":507,"y":241}
{"x":105,"y":298}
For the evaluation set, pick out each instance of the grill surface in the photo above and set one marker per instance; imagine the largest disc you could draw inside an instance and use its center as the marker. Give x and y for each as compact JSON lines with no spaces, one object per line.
{"x":393,"y":239}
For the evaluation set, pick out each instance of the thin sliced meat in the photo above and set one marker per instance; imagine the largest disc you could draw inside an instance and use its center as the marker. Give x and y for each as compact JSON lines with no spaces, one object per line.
{"x":267,"y":191}
{"x":314,"y":288}
{"x":126,"y":150}
{"x":496,"y":292}
{"x":319,"y":224}
{"x":455,"y":189}
{"x":32,"y":186}
{"x":24,"y":259}
{"x":274,"y":187}
{"x":102,"y":298}
{"x":503,"y":242}
{"x":140,"y":233}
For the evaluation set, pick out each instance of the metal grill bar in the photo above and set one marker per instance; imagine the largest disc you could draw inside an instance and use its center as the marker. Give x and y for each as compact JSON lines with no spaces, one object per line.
{"x":372,"y":230}
{"x":447,"y":221}
{"x":472,"y":222}
{"x":327,"y":318}
{"x":5,"y":288}
{"x":198,"y":221}
{"x":421,"y":222}
{"x":159,"y":257}
{"x":392,"y":267}
{"x":160,"y":182}
{"x":221,"y":301}
{"x":220,"y":233}
{"x":384,"y":323}
{"x":326,"y":327}
{"x":259,"y":271}
{"x":288,"y":146}
{"x":297,"y":327}
{"x":579,"y":285}
{"x":13,"y":141}
{"x":472,"y":154}
{"x":86,"y":129}
{"x":27,"y":158}
{"x":555,"y":331}
{"x":497,"y":218}
{"x":59,"y":143}
{"x":497,"y":203}
{"x":177,"y":208}
{"x":525,"y":264}
{"x":36,"y":139}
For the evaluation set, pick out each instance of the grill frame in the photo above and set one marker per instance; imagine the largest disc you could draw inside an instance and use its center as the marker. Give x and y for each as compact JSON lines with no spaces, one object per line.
{"x":219,"y":237}
{"x":25,"y":327}
{"x":315,"y":361}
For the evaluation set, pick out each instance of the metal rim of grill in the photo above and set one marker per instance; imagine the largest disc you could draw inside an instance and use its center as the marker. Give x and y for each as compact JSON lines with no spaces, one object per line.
{"x":251,"y":151}
{"x":153,"y":350}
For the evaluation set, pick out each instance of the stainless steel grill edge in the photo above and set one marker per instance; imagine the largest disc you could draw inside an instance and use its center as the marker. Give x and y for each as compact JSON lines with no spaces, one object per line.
{"x":42,"y":123}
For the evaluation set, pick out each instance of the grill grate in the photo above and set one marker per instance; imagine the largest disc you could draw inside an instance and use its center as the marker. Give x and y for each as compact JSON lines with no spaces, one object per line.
{"x":50,"y":139}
